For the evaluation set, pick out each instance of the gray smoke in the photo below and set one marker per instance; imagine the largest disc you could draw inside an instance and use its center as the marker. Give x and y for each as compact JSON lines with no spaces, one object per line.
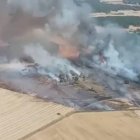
{"x":110,"y":48}
{"x":104,"y":53}
{"x":66,"y":18}
{"x":37,"y":8}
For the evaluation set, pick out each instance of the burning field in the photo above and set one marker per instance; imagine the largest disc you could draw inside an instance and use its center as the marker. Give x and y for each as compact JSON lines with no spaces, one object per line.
{"x":54,"y":50}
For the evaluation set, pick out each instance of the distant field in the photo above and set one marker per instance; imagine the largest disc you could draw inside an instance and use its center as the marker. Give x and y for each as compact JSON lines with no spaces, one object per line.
{"x":107,"y":7}
{"x":122,"y":21}
{"x":112,"y":1}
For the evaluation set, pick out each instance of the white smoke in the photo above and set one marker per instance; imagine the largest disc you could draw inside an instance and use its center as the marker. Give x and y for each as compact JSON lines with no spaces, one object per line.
{"x":49,"y":64}
{"x":109,"y":49}
{"x":120,"y":50}
{"x":115,"y":64}
{"x":70,"y":20}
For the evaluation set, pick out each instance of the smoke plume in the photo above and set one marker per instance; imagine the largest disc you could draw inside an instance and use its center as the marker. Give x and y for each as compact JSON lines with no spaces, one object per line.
{"x":68,"y":25}
{"x":61,"y":40}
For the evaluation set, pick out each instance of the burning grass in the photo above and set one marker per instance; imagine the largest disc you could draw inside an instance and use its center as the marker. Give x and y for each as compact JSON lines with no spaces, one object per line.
{"x":61,"y":55}
{"x":80,"y":91}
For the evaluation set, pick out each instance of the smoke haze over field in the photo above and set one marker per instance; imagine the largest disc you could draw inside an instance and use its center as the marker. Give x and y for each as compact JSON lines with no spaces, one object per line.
{"x":68,"y":25}
{"x":60,"y":38}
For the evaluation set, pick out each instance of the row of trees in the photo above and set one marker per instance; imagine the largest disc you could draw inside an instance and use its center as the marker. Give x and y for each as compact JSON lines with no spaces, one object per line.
{"x":132,"y":1}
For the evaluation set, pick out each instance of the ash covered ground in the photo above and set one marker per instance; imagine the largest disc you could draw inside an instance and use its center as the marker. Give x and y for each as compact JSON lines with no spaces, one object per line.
{"x":52,"y":49}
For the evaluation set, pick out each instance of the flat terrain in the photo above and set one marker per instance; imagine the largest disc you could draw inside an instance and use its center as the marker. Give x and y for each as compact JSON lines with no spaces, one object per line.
{"x":24,"y":117}
{"x":117,"y":13}
{"x":112,"y":1}
{"x":93,"y":126}
{"x":27,"y":118}
{"x":21,"y":115}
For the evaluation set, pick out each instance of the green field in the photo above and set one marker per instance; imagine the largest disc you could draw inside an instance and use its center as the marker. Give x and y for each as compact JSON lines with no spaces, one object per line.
{"x":103,"y":7}
{"x":119,"y":20}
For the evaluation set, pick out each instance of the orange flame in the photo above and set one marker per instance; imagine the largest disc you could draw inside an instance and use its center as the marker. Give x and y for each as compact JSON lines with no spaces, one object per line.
{"x":69,"y":52}
{"x":67,"y":49}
